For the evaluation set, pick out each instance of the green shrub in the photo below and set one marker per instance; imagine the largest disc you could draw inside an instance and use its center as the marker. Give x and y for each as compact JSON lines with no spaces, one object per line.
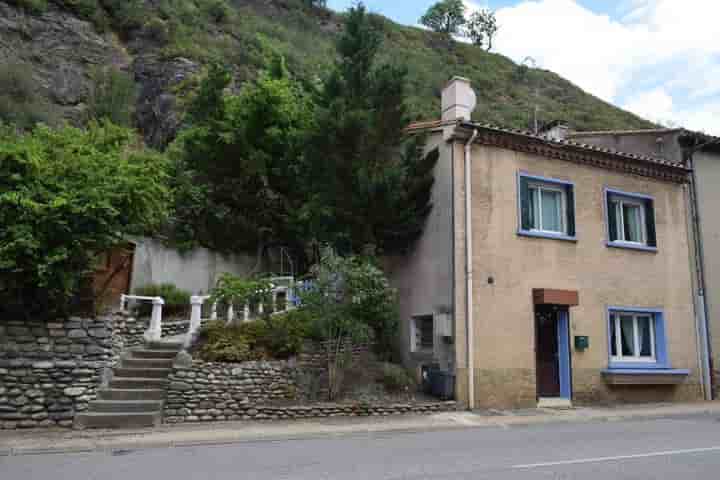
{"x":222,"y":343}
{"x":233,"y":290}
{"x":276,"y":337}
{"x":83,"y":8}
{"x":217,"y":10}
{"x":112,"y":97}
{"x":177,"y":301}
{"x":396,"y":379}
{"x":286,"y":333}
{"x":32,"y":6}
{"x":20,"y":103}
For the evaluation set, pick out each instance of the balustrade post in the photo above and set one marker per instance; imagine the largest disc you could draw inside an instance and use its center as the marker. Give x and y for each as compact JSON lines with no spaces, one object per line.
{"x":230,"y":314}
{"x":154,"y":331}
{"x":195,"y":319}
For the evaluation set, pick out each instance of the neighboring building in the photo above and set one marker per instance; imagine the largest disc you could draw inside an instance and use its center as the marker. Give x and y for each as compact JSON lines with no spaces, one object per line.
{"x":701,"y":153}
{"x":578,"y":274}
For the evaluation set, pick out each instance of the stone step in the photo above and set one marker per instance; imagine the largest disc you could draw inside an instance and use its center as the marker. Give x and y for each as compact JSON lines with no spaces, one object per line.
{"x":146,"y":363}
{"x":125,"y":406}
{"x":138,"y":382}
{"x":131,"y":394}
{"x":142,"y":372}
{"x":117,"y":420}
{"x":147,"y":353}
{"x":161,"y":345}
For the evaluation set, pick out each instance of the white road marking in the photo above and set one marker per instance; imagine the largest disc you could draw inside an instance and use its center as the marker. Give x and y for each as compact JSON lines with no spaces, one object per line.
{"x":619,"y":457}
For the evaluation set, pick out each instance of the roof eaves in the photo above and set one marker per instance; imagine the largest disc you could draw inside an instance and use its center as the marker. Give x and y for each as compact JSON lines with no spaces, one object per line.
{"x":578,"y":146}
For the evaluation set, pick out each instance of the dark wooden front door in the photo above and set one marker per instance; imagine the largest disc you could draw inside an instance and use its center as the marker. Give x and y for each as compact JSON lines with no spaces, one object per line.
{"x":546,"y":338}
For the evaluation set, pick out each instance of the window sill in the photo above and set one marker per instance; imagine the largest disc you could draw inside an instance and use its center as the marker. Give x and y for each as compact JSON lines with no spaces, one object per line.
{"x":644,"y":376}
{"x":552,"y":236}
{"x":632,"y":246}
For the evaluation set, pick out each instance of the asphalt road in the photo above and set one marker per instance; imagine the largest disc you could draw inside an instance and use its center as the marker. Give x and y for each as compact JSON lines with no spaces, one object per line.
{"x":680,"y":448}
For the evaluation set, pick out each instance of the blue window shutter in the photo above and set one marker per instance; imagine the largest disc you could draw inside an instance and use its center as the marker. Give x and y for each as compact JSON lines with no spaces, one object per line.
{"x":526,"y":210}
{"x":612,"y":220}
{"x":570,"y":210}
{"x":650,"y":223}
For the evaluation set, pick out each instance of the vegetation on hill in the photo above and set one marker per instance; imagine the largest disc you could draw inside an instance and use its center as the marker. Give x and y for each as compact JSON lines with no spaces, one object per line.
{"x":239,"y":31}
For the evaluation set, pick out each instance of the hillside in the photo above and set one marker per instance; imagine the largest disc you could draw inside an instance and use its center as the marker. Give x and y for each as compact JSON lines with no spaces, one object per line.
{"x":163,"y":43}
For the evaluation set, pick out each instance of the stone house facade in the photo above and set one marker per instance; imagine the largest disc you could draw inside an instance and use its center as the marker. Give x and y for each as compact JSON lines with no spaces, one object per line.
{"x":575,"y":261}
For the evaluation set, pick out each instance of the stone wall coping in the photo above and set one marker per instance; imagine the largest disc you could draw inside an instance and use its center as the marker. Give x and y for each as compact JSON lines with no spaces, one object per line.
{"x":255,"y":364}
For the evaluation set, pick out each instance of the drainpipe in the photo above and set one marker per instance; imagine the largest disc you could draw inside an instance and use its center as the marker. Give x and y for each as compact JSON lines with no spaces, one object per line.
{"x":701,"y":309}
{"x":469,"y":272}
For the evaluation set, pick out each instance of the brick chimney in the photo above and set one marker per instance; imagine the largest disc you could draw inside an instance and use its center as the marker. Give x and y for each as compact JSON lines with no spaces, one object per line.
{"x":458,"y":100}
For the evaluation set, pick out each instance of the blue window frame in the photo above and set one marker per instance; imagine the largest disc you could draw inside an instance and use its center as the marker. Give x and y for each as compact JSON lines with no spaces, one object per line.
{"x":630,"y":220}
{"x":636,"y":339}
{"x":546,"y":207}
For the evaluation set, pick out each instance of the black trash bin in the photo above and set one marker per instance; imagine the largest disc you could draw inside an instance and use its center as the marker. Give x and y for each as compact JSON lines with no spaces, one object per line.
{"x":442,"y":384}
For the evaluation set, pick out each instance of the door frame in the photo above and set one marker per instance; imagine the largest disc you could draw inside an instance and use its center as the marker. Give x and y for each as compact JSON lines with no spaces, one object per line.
{"x":564,"y":353}
{"x":564,"y":370}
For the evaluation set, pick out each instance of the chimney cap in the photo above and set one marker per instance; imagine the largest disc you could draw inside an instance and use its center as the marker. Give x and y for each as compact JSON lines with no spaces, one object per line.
{"x":458,"y":99}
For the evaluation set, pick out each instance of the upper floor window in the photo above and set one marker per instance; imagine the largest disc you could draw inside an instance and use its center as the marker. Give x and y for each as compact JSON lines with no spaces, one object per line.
{"x":546,"y":207}
{"x":631,"y":220}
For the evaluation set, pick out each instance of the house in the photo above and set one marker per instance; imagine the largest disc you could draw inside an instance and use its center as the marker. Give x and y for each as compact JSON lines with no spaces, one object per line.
{"x":700,"y":152}
{"x":550,"y":272}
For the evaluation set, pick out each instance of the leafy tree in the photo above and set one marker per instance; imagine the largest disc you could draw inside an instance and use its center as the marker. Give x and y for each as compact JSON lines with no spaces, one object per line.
{"x":112,"y":97}
{"x":65,"y":196}
{"x":328,"y":302}
{"x":446,"y":16}
{"x":481,"y":26}
{"x":372,"y":186}
{"x":237,"y":164}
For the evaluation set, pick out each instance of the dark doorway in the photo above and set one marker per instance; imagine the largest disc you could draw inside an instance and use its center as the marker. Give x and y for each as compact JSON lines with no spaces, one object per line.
{"x":547,"y":351}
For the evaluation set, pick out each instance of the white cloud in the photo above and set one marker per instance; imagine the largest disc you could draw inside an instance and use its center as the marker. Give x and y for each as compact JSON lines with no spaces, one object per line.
{"x":655,"y":105}
{"x":661,"y":58}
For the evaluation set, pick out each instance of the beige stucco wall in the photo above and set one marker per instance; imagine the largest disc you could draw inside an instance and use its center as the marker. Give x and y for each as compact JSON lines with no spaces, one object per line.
{"x":504,"y":356}
{"x":707,"y":170}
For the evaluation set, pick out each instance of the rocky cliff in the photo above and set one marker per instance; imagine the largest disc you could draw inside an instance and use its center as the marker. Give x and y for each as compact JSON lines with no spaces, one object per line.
{"x":162,"y":43}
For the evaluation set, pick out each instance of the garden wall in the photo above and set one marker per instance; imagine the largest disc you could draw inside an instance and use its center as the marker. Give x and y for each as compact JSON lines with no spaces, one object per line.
{"x":49,"y":371}
{"x":207,"y":392}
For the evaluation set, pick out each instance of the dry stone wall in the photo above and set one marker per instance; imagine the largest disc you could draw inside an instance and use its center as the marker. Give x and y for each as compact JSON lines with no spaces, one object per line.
{"x":49,"y":371}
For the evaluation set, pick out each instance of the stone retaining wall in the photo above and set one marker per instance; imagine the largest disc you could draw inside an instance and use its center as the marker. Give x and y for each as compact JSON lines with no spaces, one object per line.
{"x":207,"y":392}
{"x":173,"y":328}
{"x":50,"y":371}
{"x":218,"y":391}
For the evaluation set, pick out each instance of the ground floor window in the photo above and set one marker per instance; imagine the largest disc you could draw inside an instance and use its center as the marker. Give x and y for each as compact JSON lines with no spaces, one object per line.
{"x":422,"y":333}
{"x":636,"y":337}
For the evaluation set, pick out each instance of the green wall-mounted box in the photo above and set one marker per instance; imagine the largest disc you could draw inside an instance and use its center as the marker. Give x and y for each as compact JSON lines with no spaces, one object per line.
{"x":582,"y":342}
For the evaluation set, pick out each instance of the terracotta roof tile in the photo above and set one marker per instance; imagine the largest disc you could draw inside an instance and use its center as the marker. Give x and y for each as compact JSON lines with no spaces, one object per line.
{"x":544,"y":138}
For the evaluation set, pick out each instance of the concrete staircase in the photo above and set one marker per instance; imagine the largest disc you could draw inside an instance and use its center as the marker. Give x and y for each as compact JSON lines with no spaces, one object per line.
{"x":136,"y":393}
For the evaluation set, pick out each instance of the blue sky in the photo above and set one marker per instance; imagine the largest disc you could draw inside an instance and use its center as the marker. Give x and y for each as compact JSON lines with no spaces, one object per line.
{"x":657,"y":58}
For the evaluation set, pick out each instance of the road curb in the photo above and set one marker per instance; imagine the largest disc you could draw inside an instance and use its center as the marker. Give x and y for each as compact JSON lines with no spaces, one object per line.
{"x":113,"y":443}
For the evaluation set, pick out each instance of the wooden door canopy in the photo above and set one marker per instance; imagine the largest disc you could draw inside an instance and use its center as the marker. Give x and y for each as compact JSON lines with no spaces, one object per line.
{"x":549,"y":296}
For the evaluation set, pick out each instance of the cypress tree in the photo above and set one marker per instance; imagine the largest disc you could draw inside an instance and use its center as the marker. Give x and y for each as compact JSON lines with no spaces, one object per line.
{"x":374,"y":181}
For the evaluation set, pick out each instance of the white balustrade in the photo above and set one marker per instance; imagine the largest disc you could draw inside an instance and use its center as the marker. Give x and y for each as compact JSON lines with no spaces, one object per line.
{"x":154,"y":331}
{"x":196,"y":303}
